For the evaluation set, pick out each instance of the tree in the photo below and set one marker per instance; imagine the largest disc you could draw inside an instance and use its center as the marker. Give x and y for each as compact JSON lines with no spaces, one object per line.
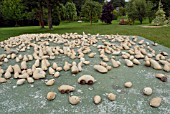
{"x":62,"y":11}
{"x":100,"y":1}
{"x":166,"y":6}
{"x":12,"y":9}
{"x":160,"y":16}
{"x":71,"y":12}
{"x":35,"y":9}
{"x":1,"y":18}
{"x":136,"y":9}
{"x":91,"y":10}
{"x":131,"y":11}
{"x":150,"y":12}
{"x":78,"y":4}
{"x":122,"y":11}
{"x":118,"y":3}
{"x":141,"y":9}
{"x":107,"y":15}
{"x":56,"y":15}
{"x":49,"y":7}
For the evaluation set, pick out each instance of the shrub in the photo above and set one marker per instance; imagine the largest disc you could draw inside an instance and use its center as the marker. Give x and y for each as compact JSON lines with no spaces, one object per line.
{"x":123,"y":22}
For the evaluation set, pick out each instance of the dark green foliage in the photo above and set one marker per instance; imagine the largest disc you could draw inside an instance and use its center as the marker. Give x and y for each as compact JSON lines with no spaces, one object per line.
{"x":78,"y":4}
{"x":118,"y":3}
{"x":115,"y":14}
{"x":71,"y":13}
{"x":136,"y":9}
{"x":122,"y":11}
{"x":150,"y":12}
{"x":131,"y":11}
{"x":12,"y":9}
{"x":56,"y":16}
{"x":62,"y":11}
{"x":91,"y":10}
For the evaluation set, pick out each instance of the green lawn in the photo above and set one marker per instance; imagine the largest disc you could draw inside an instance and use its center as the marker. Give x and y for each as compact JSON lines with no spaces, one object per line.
{"x":159,"y":35}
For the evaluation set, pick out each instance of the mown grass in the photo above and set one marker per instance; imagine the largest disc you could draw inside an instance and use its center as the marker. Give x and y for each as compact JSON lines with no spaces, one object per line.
{"x":159,"y":35}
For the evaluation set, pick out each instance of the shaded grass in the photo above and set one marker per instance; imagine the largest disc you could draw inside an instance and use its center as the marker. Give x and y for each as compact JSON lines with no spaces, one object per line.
{"x":159,"y":35}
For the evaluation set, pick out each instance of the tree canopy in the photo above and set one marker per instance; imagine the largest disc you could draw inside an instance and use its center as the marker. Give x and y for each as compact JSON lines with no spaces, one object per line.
{"x":71,"y":12}
{"x":91,"y":10}
{"x":12,"y":9}
{"x":136,"y":9}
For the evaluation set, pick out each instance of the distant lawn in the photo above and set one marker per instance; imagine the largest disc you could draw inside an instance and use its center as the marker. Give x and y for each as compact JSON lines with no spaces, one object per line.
{"x":159,"y":35}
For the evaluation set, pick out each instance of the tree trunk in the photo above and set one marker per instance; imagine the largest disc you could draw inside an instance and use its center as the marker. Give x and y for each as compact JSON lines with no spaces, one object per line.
{"x":150,"y":20}
{"x":41,"y":18}
{"x":140,"y":19}
{"x":49,"y":5}
{"x":16,"y":24}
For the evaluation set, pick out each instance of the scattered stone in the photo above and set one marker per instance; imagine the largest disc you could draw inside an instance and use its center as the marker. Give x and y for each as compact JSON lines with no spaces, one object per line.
{"x":50,"y":82}
{"x":74,"y":100}
{"x":111,"y":97}
{"x":162,"y":77}
{"x":21,"y":81}
{"x":100,"y":68}
{"x":97,"y":99}
{"x":86,"y":79}
{"x":147,"y":91}
{"x":128,"y":84}
{"x":155,"y":102}
{"x":66,"y":89}
{"x":51,"y":96}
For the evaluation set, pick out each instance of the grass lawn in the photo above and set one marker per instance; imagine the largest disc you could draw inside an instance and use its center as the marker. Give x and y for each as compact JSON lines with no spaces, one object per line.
{"x":159,"y":35}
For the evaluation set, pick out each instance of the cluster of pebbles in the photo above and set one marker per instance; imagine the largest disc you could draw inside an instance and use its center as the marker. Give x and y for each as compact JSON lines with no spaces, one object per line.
{"x":130,"y":49}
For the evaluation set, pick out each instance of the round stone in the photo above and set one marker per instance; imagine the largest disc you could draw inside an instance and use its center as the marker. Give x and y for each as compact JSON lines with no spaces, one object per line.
{"x":147,"y":91}
{"x":155,"y":102}
{"x":128,"y":84}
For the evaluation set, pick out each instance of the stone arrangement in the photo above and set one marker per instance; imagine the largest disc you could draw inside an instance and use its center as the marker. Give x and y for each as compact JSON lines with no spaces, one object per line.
{"x":131,"y":50}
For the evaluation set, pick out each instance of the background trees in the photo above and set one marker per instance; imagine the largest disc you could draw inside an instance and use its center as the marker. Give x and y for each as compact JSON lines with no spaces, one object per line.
{"x":70,"y":13}
{"x":91,"y":10}
{"x":150,"y":12}
{"x":12,"y":9}
{"x":165,"y":3}
{"x":136,"y":9}
{"x":51,"y":12}
{"x":160,"y":16}
{"x":34,"y":9}
{"x":118,"y":3}
{"x":107,"y":15}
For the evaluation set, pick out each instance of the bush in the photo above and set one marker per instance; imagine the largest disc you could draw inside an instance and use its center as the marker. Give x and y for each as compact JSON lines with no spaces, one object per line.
{"x":123,"y":22}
